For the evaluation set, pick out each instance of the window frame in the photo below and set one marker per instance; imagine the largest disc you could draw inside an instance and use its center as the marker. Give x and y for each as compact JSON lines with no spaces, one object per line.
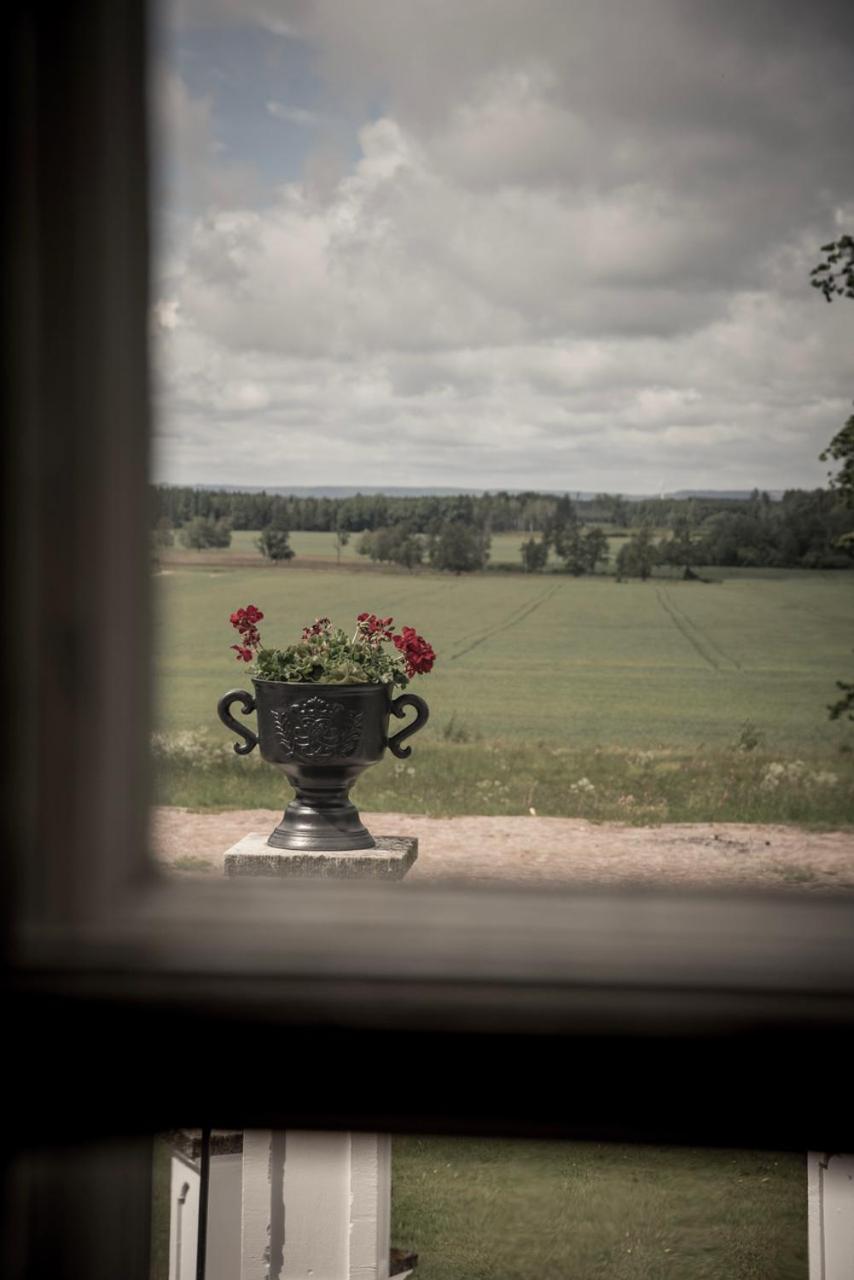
{"x":491,"y":1010}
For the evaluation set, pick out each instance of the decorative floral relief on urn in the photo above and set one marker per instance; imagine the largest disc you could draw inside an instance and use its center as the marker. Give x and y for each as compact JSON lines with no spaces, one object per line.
{"x":316,"y":729}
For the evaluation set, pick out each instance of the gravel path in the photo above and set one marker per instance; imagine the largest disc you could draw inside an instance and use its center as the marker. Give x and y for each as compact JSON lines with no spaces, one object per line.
{"x":549,"y":850}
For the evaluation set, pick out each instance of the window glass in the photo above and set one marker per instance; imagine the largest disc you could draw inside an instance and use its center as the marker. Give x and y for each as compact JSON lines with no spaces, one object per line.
{"x":498,"y":322}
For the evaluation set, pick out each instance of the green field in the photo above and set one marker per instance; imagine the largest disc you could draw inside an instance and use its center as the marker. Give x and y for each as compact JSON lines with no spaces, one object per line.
{"x":310,"y":545}
{"x":565,"y":661}
{"x":639,"y":702}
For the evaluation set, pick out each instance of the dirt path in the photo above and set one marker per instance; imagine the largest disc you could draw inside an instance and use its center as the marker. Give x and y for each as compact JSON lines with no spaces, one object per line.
{"x":565,"y":850}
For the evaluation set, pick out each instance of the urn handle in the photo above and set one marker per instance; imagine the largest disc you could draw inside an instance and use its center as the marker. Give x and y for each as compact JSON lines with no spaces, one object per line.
{"x":223,"y":709}
{"x":398,"y":707}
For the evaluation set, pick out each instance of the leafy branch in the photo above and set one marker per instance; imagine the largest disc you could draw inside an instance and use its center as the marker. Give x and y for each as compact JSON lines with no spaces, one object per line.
{"x":835,"y":274}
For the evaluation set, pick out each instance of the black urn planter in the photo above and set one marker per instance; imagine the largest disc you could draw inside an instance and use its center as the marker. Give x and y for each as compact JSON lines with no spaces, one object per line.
{"x":323,"y":736}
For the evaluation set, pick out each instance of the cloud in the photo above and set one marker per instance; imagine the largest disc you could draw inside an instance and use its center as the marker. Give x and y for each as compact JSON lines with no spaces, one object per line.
{"x":293,"y":115}
{"x":571,"y":246}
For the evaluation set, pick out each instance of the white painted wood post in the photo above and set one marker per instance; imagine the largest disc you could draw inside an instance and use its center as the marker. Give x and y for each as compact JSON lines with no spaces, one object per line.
{"x":223,"y":1252}
{"x":316,"y":1206}
{"x":830,"y":1192}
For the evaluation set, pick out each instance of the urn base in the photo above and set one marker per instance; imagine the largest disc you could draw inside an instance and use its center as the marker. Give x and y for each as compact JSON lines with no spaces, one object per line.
{"x":320,"y":824}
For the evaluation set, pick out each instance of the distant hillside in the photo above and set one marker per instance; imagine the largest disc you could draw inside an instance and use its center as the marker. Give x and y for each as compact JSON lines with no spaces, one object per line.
{"x":725,"y":495}
{"x":336,"y":490}
{"x":411,"y":491}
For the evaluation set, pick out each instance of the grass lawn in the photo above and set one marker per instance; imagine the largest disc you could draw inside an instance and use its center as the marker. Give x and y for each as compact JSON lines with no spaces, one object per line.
{"x":496,"y":1210}
{"x":581,"y":662}
{"x":576,"y":697}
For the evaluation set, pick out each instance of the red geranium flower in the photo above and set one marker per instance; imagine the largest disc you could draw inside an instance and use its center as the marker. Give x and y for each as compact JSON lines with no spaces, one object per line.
{"x":245,"y":621}
{"x":418,"y":654}
{"x":374,"y":628}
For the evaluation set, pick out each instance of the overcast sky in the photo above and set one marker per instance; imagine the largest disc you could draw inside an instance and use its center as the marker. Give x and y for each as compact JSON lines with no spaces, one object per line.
{"x":501,"y":243}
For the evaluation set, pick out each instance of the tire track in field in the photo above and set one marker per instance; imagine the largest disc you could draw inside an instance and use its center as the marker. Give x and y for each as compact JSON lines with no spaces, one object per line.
{"x":520,"y":615}
{"x":682,"y":625}
{"x":513,"y":616}
{"x":704,"y":637}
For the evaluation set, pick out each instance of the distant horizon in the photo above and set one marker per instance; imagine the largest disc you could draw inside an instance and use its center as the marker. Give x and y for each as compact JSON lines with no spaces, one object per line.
{"x":348,"y":490}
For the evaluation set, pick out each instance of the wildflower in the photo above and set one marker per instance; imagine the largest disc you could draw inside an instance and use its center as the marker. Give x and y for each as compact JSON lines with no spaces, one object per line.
{"x":583,"y":785}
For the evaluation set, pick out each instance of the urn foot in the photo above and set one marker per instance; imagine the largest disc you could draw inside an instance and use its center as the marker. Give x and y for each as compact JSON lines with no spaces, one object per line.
{"x":318,"y":823}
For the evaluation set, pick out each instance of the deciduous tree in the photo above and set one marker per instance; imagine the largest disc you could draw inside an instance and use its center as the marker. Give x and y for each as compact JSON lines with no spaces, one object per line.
{"x":535,"y":554}
{"x":459,"y":547}
{"x":203,"y":532}
{"x":638,"y":557}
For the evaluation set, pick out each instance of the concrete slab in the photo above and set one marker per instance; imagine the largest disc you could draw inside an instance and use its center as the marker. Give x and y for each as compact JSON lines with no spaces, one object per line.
{"x":389,"y":860}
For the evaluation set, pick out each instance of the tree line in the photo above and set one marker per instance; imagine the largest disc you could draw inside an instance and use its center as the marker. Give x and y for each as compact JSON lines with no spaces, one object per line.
{"x":805,"y":529}
{"x":500,"y":512}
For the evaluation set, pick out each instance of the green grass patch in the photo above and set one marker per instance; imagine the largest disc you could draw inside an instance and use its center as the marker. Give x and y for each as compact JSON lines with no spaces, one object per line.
{"x":498,"y":1210}
{"x":161,"y":1207}
{"x":311,"y":544}
{"x":451,"y":777}
{"x":577,"y":663}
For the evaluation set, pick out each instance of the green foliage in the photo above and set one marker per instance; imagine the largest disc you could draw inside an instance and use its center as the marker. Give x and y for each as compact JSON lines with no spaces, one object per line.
{"x":274,"y":544}
{"x":615,"y":509}
{"x":683,"y":548}
{"x":810,"y":529}
{"x":394,"y":544}
{"x":568,"y":543}
{"x":835,"y":274}
{"x":807,"y":529}
{"x":561,"y":521}
{"x":638,"y":557}
{"x":841,"y":449}
{"x":203,"y":532}
{"x":458,"y":547}
{"x":535,"y":554}
{"x":844,"y":706}
{"x":750,"y":736}
{"x":342,"y":537}
{"x":330,"y":656}
{"x":580,"y":551}
{"x":595,"y":549}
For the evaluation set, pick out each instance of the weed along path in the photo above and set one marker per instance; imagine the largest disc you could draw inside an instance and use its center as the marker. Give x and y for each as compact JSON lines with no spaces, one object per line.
{"x":555,"y":850}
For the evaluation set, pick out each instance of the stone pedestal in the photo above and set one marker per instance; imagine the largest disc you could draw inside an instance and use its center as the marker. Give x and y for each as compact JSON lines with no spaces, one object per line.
{"x":389,"y":860}
{"x":317,"y":1206}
